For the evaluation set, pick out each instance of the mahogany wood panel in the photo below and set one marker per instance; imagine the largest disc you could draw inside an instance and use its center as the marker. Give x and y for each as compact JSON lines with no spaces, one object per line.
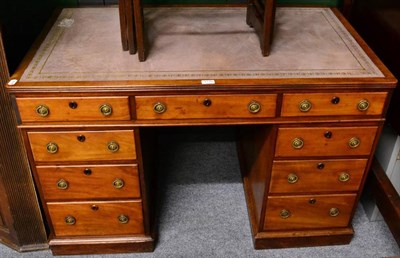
{"x":17,"y":191}
{"x":73,"y":108}
{"x":317,"y":144}
{"x":333,"y":104}
{"x":89,"y":182}
{"x":205,"y":106}
{"x":93,"y":148}
{"x":305,"y":214}
{"x":317,"y":175}
{"x":96,"y":218}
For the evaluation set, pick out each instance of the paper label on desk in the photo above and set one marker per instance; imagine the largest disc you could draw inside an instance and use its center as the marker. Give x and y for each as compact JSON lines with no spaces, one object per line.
{"x":207,"y":81}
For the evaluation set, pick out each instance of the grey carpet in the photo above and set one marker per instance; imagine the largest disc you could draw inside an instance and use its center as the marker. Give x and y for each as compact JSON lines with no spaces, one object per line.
{"x":203,"y":211}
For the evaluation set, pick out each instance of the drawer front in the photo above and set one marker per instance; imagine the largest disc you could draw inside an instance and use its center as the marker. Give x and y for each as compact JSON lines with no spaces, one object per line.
{"x":96,"y":218}
{"x":89,"y":182}
{"x":308,"y":211}
{"x":213,"y":106}
{"x":73,"y":109}
{"x":333,"y":104}
{"x":298,"y":176}
{"x":325,"y":141}
{"x":82,"y":145}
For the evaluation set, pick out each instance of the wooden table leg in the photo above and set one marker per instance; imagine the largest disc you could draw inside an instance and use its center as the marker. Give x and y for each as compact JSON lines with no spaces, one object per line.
{"x":130,"y":20}
{"x":139,"y":26}
{"x":261,"y":16}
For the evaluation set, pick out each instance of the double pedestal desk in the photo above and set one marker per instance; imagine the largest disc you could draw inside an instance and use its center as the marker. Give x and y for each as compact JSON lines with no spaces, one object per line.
{"x":308,"y":116}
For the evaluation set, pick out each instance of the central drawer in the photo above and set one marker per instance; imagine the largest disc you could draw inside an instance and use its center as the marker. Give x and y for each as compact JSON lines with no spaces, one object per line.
{"x":89,"y":182}
{"x":210,"y":106}
{"x":308,"y":211}
{"x":82,"y":145}
{"x":96,"y":218}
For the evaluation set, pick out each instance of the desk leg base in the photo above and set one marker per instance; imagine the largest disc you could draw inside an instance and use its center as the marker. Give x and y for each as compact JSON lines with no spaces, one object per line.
{"x":101,"y":245}
{"x":264,"y":240}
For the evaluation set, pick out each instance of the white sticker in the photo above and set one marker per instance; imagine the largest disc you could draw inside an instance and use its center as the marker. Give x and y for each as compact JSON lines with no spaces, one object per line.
{"x":207,"y":81}
{"x":12,"y":82}
{"x":66,"y":23}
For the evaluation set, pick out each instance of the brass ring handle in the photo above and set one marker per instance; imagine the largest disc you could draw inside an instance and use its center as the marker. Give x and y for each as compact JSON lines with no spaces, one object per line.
{"x":42,"y":110}
{"x":113,"y":146}
{"x":70,"y":220}
{"x":123,"y":219}
{"x":62,"y":184}
{"x":354,"y":142}
{"x":285,"y":214}
{"x":363,"y":105}
{"x":297,"y":143}
{"x":254,"y":107}
{"x":118,"y":183}
{"x":52,"y":147}
{"x":159,"y":108}
{"x":333,"y":212}
{"x":292,"y":178}
{"x":305,"y":105}
{"x":105,"y":109}
{"x":344,"y":177}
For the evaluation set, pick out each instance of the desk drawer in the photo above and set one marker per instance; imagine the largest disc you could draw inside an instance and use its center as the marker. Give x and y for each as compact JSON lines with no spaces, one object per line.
{"x":96,"y":218}
{"x":333,"y":104}
{"x":296,"y":176}
{"x":82,"y":145}
{"x":212,"y":106}
{"x":325,"y":141}
{"x":308,"y":211}
{"x":89,"y":182}
{"x":73,"y":109}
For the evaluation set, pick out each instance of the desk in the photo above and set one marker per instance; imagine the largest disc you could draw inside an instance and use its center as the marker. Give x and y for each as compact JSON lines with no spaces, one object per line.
{"x":310,"y":116}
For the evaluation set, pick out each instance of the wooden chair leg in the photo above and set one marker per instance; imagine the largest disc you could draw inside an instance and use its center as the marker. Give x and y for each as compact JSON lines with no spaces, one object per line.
{"x":130,"y":21}
{"x":261,"y":16}
{"x":123,"y":25}
{"x":139,"y":26}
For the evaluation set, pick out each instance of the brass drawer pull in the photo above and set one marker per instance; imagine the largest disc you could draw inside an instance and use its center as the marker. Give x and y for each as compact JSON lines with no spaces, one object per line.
{"x":285,"y":214}
{"x":254,"y":107}
{"x":305,"y":105}
{"x":113,"y":146}
{"x":123,"y":219}
{"x":297,"y":143}
{"x":354,"y":142}
{"x":70,"y":220}
{"x":159,"y":108}
{"x":292,"y":178}
{"x":363,"y":105}
{"x":118,"y":183}
{"x":42,"y":110}
{"x":344,"y":177}
{"x":333,"y":212}
{"x":62,"y":184}
{"x":105,"y":109}
{"x":52,"y":147}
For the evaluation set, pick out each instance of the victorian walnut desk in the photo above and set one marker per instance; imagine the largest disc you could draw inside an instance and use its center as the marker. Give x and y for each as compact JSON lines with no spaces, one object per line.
{"x":308,"y":117}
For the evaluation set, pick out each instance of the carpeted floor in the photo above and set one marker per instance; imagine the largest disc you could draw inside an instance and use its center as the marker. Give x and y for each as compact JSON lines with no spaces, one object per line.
{"x":203,"y":211}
